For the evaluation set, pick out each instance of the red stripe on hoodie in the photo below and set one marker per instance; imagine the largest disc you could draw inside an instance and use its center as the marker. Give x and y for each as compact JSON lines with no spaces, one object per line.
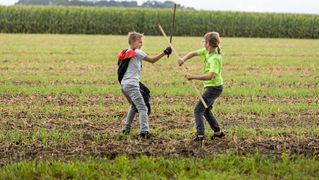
{"x":126,"y":54}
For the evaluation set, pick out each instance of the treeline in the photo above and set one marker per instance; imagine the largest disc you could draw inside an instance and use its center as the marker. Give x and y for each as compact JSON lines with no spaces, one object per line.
{"x":111,"y":3}
{"x":84,"y":20}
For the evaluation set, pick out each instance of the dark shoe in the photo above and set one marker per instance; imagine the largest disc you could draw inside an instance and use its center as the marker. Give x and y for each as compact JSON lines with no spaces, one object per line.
{"x":144,"y":135}
{"x":126,"y":131}
{"x":218,"y":135}
{"x":199,"y":138}
{"x":198,"y":141}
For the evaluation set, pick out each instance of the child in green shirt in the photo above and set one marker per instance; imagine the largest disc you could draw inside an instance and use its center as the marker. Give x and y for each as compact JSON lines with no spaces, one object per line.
{"x":213,"y":83}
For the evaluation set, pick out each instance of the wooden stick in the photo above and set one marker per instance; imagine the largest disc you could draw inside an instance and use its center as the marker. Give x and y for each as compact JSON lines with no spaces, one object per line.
{"x":183,"y":68}
{"x":173,"y":24}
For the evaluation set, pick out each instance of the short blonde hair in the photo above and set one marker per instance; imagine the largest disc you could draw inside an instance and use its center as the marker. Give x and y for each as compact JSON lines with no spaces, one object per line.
{"x":133,"y":36}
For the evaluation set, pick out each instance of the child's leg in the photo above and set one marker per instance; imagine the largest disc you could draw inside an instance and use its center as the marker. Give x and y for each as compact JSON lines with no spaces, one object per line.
{"x":131,"y":112}
{"x":211,"y":94}
{"x":212,"y":121}
{"x":133,"y":92}
{"x":198,"y":112}
{"x":130,"y":117}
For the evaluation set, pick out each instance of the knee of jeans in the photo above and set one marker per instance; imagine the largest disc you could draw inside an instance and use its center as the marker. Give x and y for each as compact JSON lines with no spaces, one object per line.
{"x":207,"y":111}
{"x":142,"y":109}
{"x":133,"y":107}
{"x":198,"y":110}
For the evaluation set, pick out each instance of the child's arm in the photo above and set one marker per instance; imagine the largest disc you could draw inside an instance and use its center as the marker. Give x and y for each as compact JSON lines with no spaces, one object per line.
{"x":187,"y":57}
{"x":203,"y":77}
{"x":154,"y":59}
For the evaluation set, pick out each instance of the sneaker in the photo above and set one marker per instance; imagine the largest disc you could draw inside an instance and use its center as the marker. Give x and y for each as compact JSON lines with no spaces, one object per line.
{"x":144,"y":135}
{"x":199,"y":138}
{"x":126,"y":131}
{"x":218,"y":135}
{"x":198,"y":141}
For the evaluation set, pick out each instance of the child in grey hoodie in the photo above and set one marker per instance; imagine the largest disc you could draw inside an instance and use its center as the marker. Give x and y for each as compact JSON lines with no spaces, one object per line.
{"x":129,"y":73}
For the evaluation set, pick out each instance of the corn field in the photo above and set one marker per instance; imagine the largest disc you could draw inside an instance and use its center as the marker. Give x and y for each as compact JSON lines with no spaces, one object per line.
{"x":88,"y":20}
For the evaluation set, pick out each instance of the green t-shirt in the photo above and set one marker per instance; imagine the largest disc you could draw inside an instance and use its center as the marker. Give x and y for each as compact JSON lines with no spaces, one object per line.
{"x":213,"y":63}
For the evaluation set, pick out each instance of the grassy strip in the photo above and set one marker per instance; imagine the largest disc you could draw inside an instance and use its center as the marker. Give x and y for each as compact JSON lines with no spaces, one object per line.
{"x":183,"y":90}
{"x":230,"y":166}
{"x":69,"y":133}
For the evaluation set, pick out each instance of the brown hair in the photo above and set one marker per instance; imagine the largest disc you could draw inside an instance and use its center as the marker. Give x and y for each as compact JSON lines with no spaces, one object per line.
{"x":214,"y":40}
{"x":133,"y":36}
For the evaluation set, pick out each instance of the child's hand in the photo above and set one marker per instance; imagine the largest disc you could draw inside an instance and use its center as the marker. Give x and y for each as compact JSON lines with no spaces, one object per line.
{"x":189,"y":76}
{"x":168,"y":51}
{"x":180,"y":62}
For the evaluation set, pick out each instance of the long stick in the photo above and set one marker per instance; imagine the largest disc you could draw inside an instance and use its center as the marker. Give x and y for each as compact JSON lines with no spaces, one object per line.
{"x":183,"y":68}
{"x":173,"y":27}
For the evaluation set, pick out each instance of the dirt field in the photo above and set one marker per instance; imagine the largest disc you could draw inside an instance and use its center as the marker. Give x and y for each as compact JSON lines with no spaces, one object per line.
{"x":60,"y":100}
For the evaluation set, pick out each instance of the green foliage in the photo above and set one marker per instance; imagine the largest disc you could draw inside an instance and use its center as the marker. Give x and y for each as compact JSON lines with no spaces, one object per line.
{"x":230,"y":166}
{"x":80,"y":20}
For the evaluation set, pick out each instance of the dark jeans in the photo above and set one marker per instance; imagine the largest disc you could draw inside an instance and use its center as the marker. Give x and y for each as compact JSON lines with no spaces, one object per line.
{"x":210,"y":95}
